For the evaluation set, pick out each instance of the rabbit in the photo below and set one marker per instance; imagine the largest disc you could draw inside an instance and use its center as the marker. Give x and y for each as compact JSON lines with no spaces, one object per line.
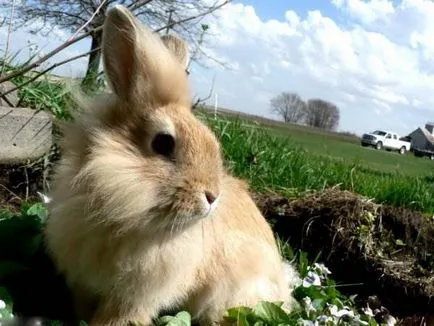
{"x":143,"y":215}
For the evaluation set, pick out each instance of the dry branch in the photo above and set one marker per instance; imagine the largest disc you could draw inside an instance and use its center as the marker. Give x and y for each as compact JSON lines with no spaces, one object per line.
{"x":201,"y":100}
{"x":89,"y":20}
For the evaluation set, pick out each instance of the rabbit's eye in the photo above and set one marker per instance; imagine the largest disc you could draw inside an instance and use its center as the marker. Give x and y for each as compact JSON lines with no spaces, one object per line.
{"x":163,"y":144}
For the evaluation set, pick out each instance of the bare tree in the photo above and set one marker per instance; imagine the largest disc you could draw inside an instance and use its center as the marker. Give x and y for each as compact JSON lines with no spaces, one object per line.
{"x":322,"y":114}
{"x":87,"y":16}
{"x":289,"y":106}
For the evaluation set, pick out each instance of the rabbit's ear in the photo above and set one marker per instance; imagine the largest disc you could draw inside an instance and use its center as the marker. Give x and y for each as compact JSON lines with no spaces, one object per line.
{"x":139,"y":64}
{"x":118,"y":50}
{"x":178,"y":47}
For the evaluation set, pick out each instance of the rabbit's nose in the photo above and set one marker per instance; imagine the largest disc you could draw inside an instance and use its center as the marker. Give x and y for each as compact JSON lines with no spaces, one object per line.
{"x":210,"y":197}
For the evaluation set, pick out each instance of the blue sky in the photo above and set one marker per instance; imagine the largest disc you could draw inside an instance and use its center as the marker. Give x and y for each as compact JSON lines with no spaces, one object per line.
{"x":275,"y":9}
{"x":373,"y":58}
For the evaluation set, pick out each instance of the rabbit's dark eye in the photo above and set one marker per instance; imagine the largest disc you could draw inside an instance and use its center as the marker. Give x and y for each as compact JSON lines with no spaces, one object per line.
{"x":163,"y":144}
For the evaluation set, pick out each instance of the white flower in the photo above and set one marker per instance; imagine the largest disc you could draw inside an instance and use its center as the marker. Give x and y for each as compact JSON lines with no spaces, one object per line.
{"x":391,"y":321}
{"x":358,"y":321}
{"x":322,"y":269}
{"x":311,"y":279}
{"x":368,"y":312}
{"x":324,"y":319}
{"x":307,"y":301}
{"x":302,"y":322}
{"x":340,"y":313}
{"x":2,"y":304}
{"x":45,"y":199}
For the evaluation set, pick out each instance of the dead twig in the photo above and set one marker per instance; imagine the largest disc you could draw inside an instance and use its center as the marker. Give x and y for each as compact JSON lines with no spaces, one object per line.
{"x":89,"y":20}
{"x":10,"y":192}
{"x":200,"y":100}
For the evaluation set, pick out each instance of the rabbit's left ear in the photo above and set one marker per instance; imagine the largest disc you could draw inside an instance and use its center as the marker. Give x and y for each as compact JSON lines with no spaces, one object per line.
{"x":178,"y":47}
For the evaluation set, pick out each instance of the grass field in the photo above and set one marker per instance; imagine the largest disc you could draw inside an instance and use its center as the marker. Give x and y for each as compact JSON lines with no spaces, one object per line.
{"x":291,"y":160}
{"x":341,"y":147}
{"x":350,"y":152}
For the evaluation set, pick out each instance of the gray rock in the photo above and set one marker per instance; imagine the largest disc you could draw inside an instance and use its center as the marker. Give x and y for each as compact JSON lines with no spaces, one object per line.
{"x":12,"y":97}
{"x":25,"y":134}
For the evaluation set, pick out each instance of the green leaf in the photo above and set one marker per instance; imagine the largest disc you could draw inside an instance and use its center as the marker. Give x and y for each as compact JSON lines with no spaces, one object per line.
{"x":237,"y":311}
{"x":238,"y":316}
{"x":38,"y":210}
{"x":318,"y":304}
{"x":303,"y":264}
{"x":176,"y":322}
{"x":57,"y":323}
{"x":184,"y":316}
{"x":270,"y":313}
{"x":164,"y":320}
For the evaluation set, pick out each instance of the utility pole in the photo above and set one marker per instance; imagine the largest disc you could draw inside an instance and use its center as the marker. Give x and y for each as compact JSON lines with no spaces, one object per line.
{"x":169,"y":20}
{"x":215,"y":106}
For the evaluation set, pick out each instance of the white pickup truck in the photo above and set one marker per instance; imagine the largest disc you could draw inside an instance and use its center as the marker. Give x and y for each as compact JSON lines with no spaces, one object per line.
{"x":385,"y":139}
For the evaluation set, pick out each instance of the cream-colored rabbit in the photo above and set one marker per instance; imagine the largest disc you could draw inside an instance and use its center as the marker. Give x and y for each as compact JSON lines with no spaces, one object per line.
{"x":143,"y":215}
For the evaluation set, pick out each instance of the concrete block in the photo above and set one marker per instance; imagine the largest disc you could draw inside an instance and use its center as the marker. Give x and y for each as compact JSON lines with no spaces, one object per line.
{"x":25,"y":134}
{"x":12,"y":97}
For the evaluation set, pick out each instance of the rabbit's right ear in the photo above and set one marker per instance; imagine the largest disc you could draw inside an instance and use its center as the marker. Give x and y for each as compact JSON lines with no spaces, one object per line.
{"x":118,"y":50}
{"x":139,"y":65}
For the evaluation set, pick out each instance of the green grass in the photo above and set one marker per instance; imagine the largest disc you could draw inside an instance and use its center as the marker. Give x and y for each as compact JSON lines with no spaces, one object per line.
{"x":349,"y":151}
{"x":343,"y":148}
{"x":41,"y":94}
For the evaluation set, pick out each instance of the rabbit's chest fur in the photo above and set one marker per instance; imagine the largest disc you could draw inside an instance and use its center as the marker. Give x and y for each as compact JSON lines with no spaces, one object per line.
{"x":144,"y":263}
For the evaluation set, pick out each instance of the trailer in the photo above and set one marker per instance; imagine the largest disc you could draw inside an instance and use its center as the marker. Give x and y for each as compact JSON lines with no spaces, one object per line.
{"x":419,"y":152}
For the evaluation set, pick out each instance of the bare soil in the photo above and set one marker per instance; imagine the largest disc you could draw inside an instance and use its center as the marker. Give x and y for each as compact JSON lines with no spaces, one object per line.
{"x":385,"y":251}
{"x":18,"y":183}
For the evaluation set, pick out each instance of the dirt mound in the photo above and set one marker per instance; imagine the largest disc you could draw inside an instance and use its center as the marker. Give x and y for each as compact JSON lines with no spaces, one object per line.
{"x":388,"y":251}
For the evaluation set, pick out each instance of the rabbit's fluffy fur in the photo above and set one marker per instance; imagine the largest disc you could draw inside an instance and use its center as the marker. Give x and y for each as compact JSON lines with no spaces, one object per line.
{"x":139,"y":224}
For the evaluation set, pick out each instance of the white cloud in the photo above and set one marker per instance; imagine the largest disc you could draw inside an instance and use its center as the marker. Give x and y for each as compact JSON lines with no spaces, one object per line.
{"x":373,"y":73}
{"x":367,"y":11}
